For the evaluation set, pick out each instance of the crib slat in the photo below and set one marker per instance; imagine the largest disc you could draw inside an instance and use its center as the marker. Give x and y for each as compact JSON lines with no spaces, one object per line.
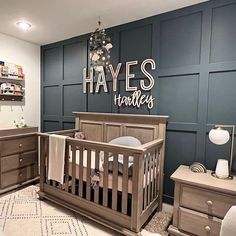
{"x":114,"y":181}
{"x":149,"y":177}
{"x":42,"y":163}
{"x":96,"y":191}
{"x":67,"y":168}
{"x":105,"y":180}
{"x":157,"y":171}
{"x":146,"y":178}
{"x":73,"y":167}
{"x":143,"y":186}
{"x":81,"y":169}
{"x":125,"y":184}
{"x":88,"y":175}
{"x":153,"y":174}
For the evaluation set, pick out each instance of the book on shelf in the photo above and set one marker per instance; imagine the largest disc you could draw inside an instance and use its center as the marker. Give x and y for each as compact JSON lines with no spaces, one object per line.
{"x":11,"y":71}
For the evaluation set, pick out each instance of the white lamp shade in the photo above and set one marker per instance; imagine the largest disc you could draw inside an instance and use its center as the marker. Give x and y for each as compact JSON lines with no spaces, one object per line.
{"x":219,"y":136}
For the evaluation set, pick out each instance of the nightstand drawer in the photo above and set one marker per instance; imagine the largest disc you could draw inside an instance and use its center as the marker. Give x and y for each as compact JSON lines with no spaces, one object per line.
{"x":18,"y":176}
{"x":206,"y":201}
{"x":198,"y":223}
{"x":19,"y":160}
{"x":17,"y":145}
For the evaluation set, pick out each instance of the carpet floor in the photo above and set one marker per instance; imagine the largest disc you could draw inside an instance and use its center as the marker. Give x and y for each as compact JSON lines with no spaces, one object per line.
{"x":22,"y":214}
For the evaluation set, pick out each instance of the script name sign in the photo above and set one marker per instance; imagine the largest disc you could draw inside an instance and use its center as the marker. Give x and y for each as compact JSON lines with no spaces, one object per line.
{"x":137,"y":98}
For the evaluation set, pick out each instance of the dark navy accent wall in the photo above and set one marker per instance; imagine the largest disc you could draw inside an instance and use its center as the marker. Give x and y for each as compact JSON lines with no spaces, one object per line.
{"x":195,"y":80}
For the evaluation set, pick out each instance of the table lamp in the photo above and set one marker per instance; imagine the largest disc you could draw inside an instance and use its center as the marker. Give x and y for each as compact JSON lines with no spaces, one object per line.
{"x":220,"y":136}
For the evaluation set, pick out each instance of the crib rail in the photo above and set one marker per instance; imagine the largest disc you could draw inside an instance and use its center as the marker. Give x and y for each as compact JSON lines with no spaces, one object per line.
{"x":93,"y":172}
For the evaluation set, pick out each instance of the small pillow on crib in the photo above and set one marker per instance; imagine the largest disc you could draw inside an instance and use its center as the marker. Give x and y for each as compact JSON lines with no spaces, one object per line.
{"x":125,"y":141}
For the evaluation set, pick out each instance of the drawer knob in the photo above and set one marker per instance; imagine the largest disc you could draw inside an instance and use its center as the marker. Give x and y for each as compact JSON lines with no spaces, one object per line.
{"x":20,"y":145}
{"x":20,"y":174}
{"x":21,"y":159}
{"x":209,"y":203}
{"x":208,"y":228}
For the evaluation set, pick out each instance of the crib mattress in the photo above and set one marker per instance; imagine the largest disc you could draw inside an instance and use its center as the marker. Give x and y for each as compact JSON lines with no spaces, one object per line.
{"x":110,"y":175}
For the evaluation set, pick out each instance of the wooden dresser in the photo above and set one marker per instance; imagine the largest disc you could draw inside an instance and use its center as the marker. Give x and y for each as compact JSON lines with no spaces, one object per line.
{"x":200,"y":202}
{"x":18,"y":157}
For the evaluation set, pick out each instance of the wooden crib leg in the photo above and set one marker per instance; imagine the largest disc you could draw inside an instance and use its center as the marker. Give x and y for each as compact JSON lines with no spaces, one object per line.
{"x":137,"y":193}
{"x":162,"y":129}
{"x":41,"y":195}
{"x":161,"y":178}
{"x":42,"y":163}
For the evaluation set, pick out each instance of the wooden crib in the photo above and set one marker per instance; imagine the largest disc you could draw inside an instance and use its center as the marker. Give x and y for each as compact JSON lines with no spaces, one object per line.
{"x":119,"y":201}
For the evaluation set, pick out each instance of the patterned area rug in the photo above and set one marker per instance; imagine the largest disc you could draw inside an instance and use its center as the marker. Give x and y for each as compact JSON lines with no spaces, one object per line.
{"x":159,"y":223}
{"x":22,"y":214}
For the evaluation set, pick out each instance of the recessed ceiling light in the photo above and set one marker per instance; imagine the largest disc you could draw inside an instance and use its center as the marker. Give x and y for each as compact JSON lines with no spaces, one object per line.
{"x":23,"y":25}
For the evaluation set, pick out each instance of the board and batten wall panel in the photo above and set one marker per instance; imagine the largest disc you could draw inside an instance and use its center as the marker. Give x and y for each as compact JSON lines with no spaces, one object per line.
{"x":135,"y":44}
{"x":101,"y":102}
{"x":195,"y":80}
{"x":180,"y":40}
{"x":62,"y":83}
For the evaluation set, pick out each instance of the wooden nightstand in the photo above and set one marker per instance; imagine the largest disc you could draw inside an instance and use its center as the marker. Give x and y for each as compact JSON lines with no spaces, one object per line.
{"x":200,"y":202}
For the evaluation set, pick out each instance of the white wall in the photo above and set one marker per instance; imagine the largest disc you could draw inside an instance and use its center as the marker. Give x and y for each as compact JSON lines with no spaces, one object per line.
{"x":28,"y":55}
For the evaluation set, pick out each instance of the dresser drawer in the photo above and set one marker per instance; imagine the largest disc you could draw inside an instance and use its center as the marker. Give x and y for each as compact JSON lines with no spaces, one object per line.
{"x":17,"y":145}
{"x":18,"y":176}
{"x":19,"y":160}
{"x":206,"y":201}
{"x":198,"y":223}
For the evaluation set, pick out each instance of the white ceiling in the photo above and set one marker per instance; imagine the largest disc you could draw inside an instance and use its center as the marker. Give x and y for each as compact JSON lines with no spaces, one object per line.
{"x":55,"y":20}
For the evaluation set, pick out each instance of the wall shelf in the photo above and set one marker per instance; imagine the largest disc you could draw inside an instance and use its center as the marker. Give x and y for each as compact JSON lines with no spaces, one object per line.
{"x":11,"y":97}
{"x":12,"y":82}
{"x":9,"y":79}
{"x":6,"y":78}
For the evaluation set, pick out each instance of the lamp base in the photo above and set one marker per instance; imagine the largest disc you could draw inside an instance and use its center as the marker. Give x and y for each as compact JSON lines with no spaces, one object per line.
{"x":230,"y":177}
